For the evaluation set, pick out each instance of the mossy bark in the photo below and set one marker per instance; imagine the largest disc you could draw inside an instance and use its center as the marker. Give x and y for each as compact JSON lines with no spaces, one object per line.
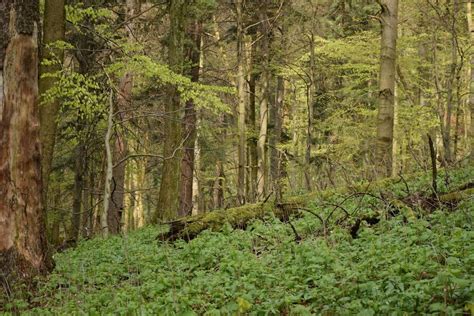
{"x":189,"y":227}
{"x":53,"y":31}
{"x":168,"y":199}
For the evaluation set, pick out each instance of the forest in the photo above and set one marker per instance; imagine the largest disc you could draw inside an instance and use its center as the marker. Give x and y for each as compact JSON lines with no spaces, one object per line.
{"x":236,"y":157}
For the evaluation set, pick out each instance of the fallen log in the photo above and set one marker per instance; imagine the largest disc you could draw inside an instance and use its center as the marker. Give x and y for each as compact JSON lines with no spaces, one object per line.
{"x":457,"y":196}
{"x":189,"y":227}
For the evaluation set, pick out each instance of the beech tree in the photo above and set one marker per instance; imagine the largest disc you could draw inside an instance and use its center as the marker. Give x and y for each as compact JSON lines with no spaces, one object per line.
{"x":168,"y":198}
{"x":385,"y":117}
{"x":23,"y":249}
{"x":53,"y":31}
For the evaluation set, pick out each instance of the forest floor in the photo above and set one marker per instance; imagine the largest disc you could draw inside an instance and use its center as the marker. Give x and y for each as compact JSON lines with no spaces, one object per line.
{"x":389,"y":249}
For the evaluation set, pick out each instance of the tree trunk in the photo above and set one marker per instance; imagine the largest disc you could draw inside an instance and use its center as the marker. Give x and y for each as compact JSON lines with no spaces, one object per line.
{"x":241,"y":106}
{"x":262,"y":137}
{"x":448,"y":154}
{"x":168,"y":199}
{"x":275,"y":154}
{"x":87,"y":204}
{"x":471,"y":82}
{"x":120,"y":151}
{"x":79,"y":169}
{"x":252,"y":173}
{"x":190,"y":124}
{"x":53,"y":31}
{"x":23,"y":250}
{"x":384,"y":144}
{"x":310,"y":105}
{"x":104,"y":218}
{"x":218,"y":190}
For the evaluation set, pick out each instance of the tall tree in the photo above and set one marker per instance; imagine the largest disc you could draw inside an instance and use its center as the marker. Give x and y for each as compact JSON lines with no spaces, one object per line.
{"x":168,"y":199}
{"x":22,"y":227}
{"x":471,"y":81}
{"x":241,"y":94}
{"x":193,"y":54}
{"x":265,"y":81}
{"x":120,"y":148}
{"x":385,"y":117}
{"x":53,"y":31}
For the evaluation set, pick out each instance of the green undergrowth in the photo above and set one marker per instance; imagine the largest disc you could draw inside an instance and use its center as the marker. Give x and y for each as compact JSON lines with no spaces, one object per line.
{"x":415,"y":262}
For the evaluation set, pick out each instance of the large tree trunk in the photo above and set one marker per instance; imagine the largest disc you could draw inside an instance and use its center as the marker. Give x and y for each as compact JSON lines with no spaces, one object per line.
{"x":241,"y":106}
{"x":53,"y":31}
{"x":384,"y":144}
{"x":168,"y":199}
{"x":23,"y":250}
{"x":190,"y":125}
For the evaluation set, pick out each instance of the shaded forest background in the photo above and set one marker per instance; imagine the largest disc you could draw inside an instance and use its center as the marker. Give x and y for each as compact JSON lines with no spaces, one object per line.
{"x":215,"y":104}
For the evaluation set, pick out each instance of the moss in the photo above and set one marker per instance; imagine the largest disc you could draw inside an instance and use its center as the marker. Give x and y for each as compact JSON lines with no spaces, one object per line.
{"x":457,"y":195}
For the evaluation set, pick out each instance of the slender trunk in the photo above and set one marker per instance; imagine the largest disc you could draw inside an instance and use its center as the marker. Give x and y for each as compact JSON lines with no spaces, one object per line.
{"x":87,"y":203}
{"x":120,"y":151}
{"x":197,"y":189}
{"x":310,"y":89}
{"x":276,"y":156}
{"x":252,"y":141}
{"x":384,"y":144}
{"x":168,"y":198}
{"x":53,"y":31}
{"x":241,"y":105}
{"x":450,"y":87}
{"x":108,"y":169}
{"x":77,"y":192}
{"x":23,"y":250}
{"x":218,"y":194}
{"x":262,"y":137}
{"x":190,"y":125}
{"x":471,"y":81}
{"x":396,"y":163}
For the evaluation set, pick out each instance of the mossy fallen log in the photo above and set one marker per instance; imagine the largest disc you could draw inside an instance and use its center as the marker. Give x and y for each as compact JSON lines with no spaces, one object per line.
{"x":457,"y":196}
{"x":189,"y":227}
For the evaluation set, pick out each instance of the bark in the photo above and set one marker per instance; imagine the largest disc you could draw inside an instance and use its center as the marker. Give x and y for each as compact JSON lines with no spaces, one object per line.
{"x":53,"y":31}
{"x":197,"y":188}
{"x":77,"y":192}
{"x":168,"y":199}
{"x":87,"y":203}
{"x":190,"y":124}
{"x":252,"y":142}
{"x":471,"y":81}
{"x":448,"y":154}
{"x":310,"y":105}
{"x":23,"y":250}
{"x":385,"y":116}
{"x":104,"y":218}
{"x":262,"y":137}
{"x":218,"y":190}
{"x":120,"y":151}
{"x":275,"y":140}
{"x":189,"y":227}
{"x":241,"y":106}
